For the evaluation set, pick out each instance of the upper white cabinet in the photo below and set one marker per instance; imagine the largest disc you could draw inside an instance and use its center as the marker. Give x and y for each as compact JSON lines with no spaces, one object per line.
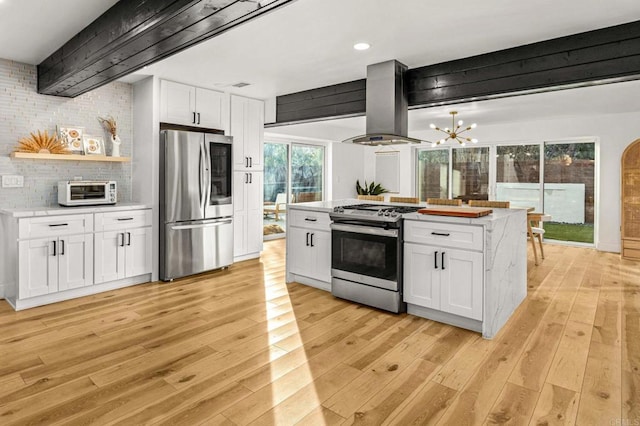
{"x":247,"y":129}
{"x":192,"y":106}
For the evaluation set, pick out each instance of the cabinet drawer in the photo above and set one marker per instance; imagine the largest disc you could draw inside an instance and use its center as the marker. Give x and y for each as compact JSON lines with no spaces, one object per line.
{"x":113,"y":221}
{"x":468,"y":237}
{"x":54,"y":226}
{"x":631,"y":244}
{"x":309,"y":219}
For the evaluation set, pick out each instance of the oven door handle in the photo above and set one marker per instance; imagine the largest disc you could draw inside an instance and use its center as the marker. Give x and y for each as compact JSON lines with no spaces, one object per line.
{"x":359,"y":229}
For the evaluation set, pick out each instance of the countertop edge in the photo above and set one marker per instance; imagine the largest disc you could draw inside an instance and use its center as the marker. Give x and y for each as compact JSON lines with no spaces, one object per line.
{"x":60,"y":210}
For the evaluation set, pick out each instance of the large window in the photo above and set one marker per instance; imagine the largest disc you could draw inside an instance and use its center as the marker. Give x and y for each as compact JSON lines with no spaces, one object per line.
{"x":293,"y":173}
{"x":307,"y":172}
{"x":433,"y":173}
{"x":553,"y":178}
{"x":470,"y":178}
{"x":569,"y":191}
{"x":518,"y":175}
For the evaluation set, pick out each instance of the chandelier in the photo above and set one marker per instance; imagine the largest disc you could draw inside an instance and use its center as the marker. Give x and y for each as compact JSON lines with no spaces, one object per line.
{"x":455,"y":132}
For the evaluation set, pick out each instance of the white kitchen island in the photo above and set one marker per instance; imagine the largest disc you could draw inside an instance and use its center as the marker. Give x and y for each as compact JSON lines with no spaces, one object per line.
{"x":471,"y":273}
{"x":483,"y":281}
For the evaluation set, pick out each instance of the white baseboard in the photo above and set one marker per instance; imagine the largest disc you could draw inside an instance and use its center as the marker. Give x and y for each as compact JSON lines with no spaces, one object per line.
{"x":246,"y":257}
{"x":610,"y":247}
{"x":46,"y":299}
{"x":309,"y":281}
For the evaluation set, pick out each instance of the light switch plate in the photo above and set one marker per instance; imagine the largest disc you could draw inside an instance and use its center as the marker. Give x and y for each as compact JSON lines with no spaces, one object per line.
{"x":12,"y":181}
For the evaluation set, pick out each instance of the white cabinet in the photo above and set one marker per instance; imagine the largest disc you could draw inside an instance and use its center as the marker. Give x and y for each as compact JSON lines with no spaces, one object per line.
{"x":192,"y":106}
{"x":123,"y":245}
{"x":310,"y":253}
{"x":247,"y":216}
{"x":54,"y":254}
{"x":247,"y":129}
{"x":309,"y":245}
{"x":444,"y":279}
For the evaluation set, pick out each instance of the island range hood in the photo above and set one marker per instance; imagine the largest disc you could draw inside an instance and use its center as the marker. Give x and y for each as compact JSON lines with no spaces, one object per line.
{"x":387,"y":106}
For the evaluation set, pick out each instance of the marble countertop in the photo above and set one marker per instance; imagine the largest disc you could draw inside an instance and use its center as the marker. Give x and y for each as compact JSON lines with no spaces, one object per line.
{"x":58,"y":210}
{"x":328,"y":206}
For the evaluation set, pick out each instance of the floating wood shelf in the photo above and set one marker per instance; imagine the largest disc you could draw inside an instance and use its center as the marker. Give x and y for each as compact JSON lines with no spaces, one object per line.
{"x":37,"y":156}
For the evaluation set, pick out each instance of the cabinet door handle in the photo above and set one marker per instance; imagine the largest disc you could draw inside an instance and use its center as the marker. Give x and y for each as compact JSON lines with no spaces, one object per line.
{"x":54,"y":248}
{"x":310,"y":219}
{"x":435,"y":260}
{"x":198,"y":118}
{"x":312,"y":240}
{"x":129,"y":239}
{"x":307,"y":239}
{"x":58,"y":224}
{"x":442,"y":261}
{"x":246,"y":162}
{"x":250,"y":177}
{"x":124,"y":218}
{"x":119,"y":241}
{"x":250,"y":161}
{"x":61,"y":247}
{"x":442,"y":234}
{"x":194,"y":117}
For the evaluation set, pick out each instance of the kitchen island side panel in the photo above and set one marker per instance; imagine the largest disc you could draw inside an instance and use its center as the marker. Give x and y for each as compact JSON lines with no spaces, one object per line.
{"x":505,"y":270}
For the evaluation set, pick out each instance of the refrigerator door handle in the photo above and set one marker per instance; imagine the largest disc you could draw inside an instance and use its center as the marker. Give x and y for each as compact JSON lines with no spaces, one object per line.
{"x":202,"y":181}
{"x":208,"y":179}
{"x":203,"y":224}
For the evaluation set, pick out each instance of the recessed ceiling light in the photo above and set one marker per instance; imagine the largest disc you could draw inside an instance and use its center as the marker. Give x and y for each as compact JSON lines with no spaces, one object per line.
{"x":361,"y":46}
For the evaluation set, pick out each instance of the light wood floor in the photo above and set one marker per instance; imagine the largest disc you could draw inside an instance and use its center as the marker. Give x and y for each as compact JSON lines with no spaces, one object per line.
{"x":242,"y":347}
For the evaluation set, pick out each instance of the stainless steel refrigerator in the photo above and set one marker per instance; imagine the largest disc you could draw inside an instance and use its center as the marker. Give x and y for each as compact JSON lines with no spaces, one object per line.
{"x":196,"y":209}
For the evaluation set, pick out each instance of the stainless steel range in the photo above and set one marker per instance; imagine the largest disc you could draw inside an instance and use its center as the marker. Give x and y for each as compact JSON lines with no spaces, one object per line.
{"x":366,"y":254}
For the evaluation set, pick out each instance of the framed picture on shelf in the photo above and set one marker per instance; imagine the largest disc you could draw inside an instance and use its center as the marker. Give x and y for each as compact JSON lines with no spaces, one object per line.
{"x":72,"y":137}
{"x":93,"y":145}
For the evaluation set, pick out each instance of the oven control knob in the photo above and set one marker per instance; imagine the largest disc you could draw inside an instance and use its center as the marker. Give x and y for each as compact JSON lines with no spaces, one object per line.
{"x":394,"y":214}
{"x":380,"y":212}
{"x":386,"y":213}
{"x":338,"y":209}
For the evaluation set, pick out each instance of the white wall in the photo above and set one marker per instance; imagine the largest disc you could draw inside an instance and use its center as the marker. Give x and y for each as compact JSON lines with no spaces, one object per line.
{"x":348,"y":166}
{"x":23,"y":111}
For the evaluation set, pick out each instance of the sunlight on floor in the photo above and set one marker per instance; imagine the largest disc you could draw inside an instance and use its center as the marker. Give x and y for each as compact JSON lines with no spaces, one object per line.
{"x":290,"y":403}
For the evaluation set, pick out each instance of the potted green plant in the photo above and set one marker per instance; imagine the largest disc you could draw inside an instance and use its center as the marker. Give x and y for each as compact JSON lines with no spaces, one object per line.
{"x":370,"y":189}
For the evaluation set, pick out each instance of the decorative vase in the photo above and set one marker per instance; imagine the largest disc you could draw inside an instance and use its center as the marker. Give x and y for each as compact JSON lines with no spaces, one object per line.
{"x":115,"y":146}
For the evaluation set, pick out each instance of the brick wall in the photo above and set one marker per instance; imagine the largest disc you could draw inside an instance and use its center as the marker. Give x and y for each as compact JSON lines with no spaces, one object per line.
{"x":23,"y":110}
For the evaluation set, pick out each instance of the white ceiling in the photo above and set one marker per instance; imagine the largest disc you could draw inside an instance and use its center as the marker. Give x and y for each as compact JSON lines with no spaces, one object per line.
{"x":308,"y":44}
{"x":31,"y":30}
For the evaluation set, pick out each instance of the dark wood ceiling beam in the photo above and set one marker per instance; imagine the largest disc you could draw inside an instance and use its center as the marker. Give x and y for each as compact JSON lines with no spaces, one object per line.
{"x":133,"y":34}
{"x":594,"y":57}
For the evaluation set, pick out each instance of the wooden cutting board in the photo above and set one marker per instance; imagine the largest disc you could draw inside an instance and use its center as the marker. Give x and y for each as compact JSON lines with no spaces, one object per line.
{"x":456,"y":211}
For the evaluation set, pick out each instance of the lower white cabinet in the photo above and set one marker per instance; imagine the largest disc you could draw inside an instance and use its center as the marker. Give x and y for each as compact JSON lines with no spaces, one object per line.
{"x":310,"y":253}
{"x":52,"y":257}
{"x":309,"y":247}
{"x":444,"y":279}
{"x":122,"y":254}
{"x":49,"y":265}
{"x":247,"y":214}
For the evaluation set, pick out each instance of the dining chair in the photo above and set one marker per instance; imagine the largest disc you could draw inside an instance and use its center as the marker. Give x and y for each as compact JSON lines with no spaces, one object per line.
{"x":371,"y":197}
{"x":487,"y":203}
{"x":444,"y":201}
{"x":536,"y":231}
{"x":410,"y":200}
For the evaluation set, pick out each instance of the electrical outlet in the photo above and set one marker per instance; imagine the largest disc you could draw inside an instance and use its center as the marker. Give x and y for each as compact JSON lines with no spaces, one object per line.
{"x":12,"y":181}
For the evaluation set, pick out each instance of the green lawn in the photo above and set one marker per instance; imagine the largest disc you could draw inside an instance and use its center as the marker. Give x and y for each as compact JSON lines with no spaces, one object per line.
{"x":582,"y":233}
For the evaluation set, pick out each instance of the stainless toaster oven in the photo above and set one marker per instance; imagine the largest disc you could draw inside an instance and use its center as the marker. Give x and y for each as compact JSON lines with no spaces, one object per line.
{"x":86,"y":192}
